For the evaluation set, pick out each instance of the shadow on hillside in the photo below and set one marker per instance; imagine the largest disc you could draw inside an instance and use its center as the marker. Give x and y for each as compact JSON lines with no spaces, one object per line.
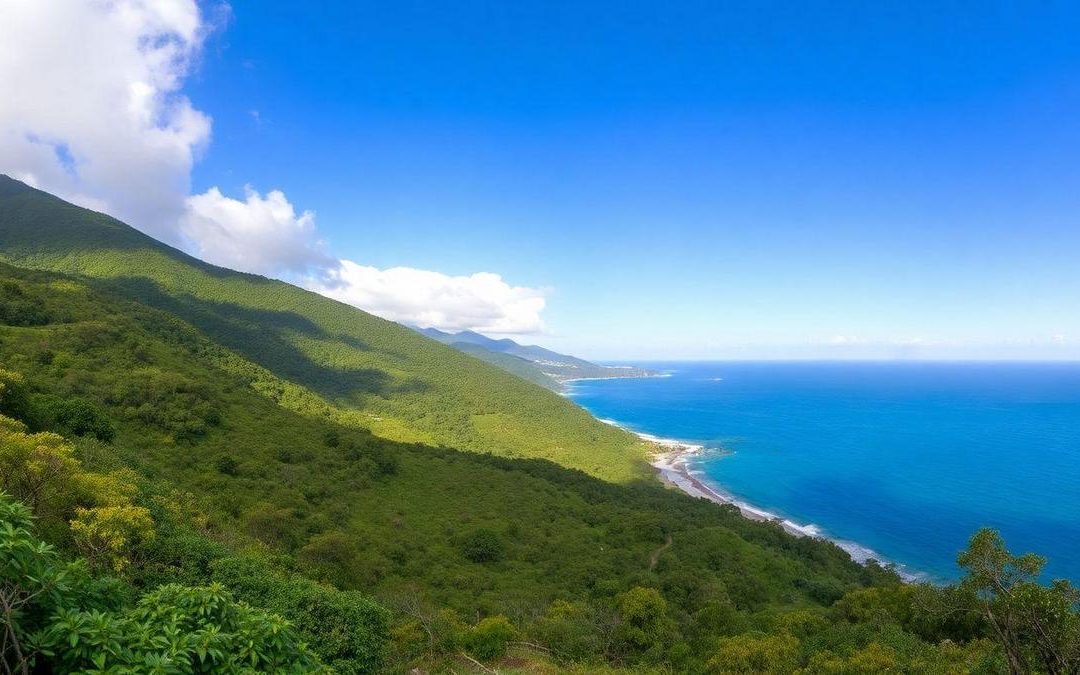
{"x":262,"y":336}
{"x":33,"y":222}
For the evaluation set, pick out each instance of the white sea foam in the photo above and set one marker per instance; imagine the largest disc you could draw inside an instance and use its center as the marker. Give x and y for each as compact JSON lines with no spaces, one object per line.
{"x":673,"y":467}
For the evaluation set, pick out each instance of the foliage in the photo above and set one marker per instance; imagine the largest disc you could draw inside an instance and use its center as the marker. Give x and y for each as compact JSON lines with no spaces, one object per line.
{"x":303,"y":455}
{"x":310,"y":354}
{"x":72,"y":416}
{"x":645,"y":625}
{"x":1038,"y":626}
{"x":177,"y":629}
{"x":105,"y":535}
{"x":348,"y":631}
{"x":482,"y":546}
{"x":95,"y":511}
{"x":756,"y":654}
{"x":489,"y":639}
{"x":56,"y":615}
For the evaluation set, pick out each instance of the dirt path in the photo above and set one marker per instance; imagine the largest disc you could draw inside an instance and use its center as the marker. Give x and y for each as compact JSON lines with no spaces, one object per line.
{"x":655,"y":557}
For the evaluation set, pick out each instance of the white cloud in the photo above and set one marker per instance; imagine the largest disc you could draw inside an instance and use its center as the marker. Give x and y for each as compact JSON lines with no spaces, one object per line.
{"x":482,"y":301}
{"x":844,"y":340}
{"x":265,"y":235}
{"x":91,"y":107}
{"x":260,"y":234}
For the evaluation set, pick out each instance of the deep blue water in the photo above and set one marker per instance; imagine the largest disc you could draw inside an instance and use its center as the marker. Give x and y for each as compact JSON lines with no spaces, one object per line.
{"x":908,"y":459}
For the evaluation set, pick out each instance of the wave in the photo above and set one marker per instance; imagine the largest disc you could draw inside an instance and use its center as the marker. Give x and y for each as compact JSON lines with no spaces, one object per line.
{"x":674,"y":465}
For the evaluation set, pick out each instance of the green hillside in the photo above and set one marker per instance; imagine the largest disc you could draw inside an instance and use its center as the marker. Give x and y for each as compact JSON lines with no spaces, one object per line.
{"x":211,"y":486}
{"x":514,"y":365}
{"x":331,"y":359}
{"x":417,"y":526}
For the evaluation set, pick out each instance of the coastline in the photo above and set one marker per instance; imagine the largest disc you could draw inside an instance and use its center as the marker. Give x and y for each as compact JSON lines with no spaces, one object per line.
{"x":613,"y":377}
{"x":672,"y":463}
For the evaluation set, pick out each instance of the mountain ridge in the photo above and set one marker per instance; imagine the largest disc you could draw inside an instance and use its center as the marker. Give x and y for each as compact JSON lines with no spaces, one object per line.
{"x":546,"y":365}
{"x":361,"y":369}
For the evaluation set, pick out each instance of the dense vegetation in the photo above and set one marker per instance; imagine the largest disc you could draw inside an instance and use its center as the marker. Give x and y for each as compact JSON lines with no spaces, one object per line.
{"x":207,"y":505}
{"x":317,"y":356}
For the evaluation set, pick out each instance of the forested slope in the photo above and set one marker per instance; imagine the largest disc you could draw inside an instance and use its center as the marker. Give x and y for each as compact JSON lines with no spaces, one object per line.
{"x":195,"y":448}
{"x":420,"y":527}
{"x":333,"y":359}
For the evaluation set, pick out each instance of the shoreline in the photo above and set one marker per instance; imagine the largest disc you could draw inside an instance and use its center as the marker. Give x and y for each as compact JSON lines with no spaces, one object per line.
{"x":671,"y":462}
{"x":568,"y":380}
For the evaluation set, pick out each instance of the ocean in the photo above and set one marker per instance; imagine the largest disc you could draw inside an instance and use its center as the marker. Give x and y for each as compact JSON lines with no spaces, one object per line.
{"x":906,"y":459}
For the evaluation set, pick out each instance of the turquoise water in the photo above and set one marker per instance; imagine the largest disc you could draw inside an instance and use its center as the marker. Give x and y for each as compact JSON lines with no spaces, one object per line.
{"x":907,"y":459}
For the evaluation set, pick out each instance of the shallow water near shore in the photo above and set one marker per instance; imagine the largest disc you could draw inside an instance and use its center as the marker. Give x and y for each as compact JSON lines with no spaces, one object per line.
{"x":906,"y":459}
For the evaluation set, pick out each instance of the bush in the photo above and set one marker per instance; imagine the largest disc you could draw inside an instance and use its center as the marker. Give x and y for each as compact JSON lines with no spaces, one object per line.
{"x":226,"y":465}
{"x":73,"y":417}
{"x":483,"y":546}
{"x":569,"y":629}
{"x":646,"y":625}
{"x":57,"y":618}
{"x":488,"y":639}
{"x":14,"y":399}
{"x":199,"y":629}
{"x":19,"y":309}
{"x":756,"y":654}
{"x":348,"y":631}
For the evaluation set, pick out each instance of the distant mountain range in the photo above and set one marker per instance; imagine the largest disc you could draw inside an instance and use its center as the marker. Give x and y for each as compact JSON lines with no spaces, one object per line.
{"x":530,"y":362}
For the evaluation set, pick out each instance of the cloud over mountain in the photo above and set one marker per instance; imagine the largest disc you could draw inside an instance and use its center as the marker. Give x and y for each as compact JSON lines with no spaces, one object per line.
{"x":482,"y":301}
{"x":93,"y":110}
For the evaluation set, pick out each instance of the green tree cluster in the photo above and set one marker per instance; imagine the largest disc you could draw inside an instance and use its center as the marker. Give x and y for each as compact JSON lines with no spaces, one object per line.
{"x":56,"y":616}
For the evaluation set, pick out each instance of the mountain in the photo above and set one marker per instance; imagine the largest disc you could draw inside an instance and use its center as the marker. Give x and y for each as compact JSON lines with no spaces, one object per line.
{"x":350,"y":365}
{"x":542,"y":366}
{"x":515,"y":365}
{"x":206,"y":442}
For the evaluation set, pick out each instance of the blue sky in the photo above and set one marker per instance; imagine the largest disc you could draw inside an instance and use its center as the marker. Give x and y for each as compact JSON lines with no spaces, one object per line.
{"x":681,"y":179}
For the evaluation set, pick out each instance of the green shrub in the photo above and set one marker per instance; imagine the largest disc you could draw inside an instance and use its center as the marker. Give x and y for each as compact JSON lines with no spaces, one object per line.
{"x":482,"y":546}
{"x":14,"y":397}
{"x":348,"y":631}
{"x":55,"y":617}
{"x":488,"y":639}
{"x":227,"y":465}
{"x":72,"y":417}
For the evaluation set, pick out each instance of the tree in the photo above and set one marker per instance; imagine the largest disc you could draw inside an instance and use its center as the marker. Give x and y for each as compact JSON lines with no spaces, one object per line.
{"x":748,"y":653}
{"x":14,"y":399}
{"x":644,"y":622}
{"x":33,"y":584}
{"x":37,"y":469}
{"x":482,"y":546}
{"x":348,"y":631}
{"x":107,"y":535}
{"x":56,"y":617}
{"x":1037,"y":626}
{"x":488,"y":639}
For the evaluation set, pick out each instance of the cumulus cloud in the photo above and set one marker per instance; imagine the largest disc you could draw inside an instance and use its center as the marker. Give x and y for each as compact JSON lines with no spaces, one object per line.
{"x":91,"y":106}
{"x":260,"y":234}
{"x":481,"y":302}
{"x":92,"y":109}
{"x":266,"y":235}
